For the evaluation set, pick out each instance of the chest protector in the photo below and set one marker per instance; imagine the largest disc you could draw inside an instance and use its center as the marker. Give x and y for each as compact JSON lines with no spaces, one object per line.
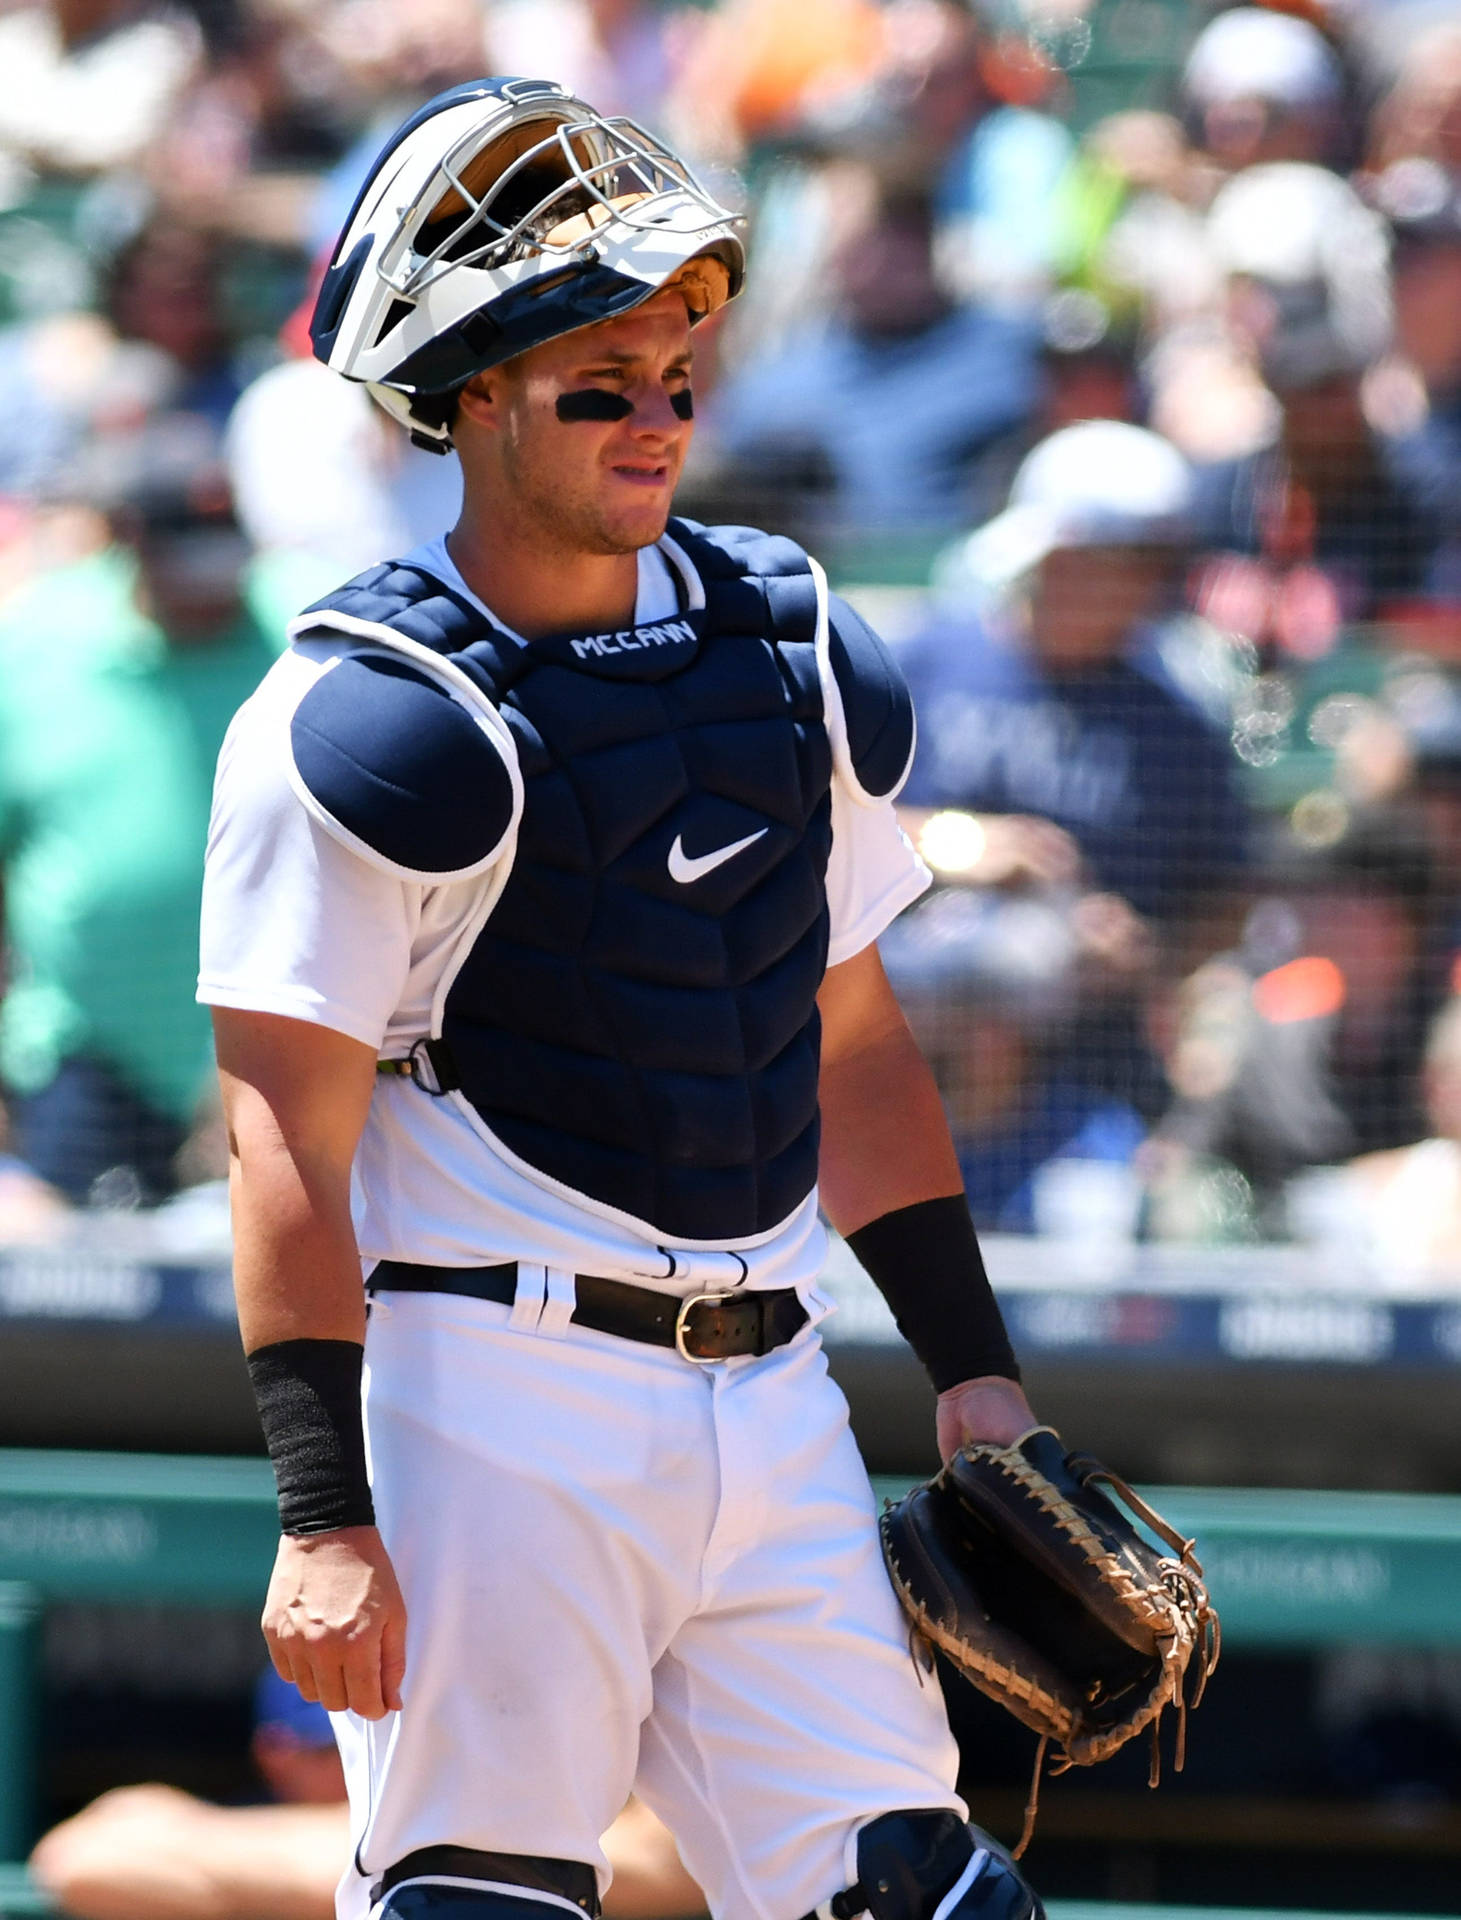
{"x":635,"y":1020}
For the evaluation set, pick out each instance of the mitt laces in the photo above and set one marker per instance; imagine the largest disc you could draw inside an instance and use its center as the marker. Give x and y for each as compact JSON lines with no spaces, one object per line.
{"x":1181,"y":1572}
{"x":610,"y":169}
{"x":1197,"y":1621}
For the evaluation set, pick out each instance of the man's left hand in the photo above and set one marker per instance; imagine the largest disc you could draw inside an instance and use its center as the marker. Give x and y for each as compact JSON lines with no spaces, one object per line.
{"x":989,"y":1408}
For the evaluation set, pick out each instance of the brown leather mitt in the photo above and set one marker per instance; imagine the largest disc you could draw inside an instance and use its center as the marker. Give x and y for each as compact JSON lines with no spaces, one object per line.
{"x":1017,"y":1565}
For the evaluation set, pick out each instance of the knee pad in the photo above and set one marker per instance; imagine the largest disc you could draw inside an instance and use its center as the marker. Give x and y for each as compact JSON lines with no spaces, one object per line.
{"x":461,"y":1883}
{"x":927,"y":1864}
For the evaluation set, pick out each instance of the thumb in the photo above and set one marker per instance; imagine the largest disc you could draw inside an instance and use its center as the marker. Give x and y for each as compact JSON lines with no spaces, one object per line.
{"x":393,"y":1658}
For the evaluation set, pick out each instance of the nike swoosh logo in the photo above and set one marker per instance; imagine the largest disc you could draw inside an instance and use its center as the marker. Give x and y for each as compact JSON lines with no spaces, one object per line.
{"x":684,"y":869}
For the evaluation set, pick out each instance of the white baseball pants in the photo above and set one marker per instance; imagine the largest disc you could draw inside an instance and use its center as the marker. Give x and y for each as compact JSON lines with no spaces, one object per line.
{"x":625,"y":1571}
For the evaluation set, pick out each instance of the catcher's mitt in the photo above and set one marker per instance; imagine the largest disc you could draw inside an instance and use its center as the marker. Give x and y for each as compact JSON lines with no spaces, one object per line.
{"x":1016,"y":1565}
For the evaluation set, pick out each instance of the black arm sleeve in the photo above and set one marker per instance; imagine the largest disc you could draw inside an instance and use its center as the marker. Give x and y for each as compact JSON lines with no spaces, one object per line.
{"x":926,"y":1263}
{"x":308,"y":1395}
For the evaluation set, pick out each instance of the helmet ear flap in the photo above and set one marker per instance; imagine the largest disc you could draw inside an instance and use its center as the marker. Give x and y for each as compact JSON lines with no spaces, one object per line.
{"x":434,"y":410}
{"x":426,"y":417}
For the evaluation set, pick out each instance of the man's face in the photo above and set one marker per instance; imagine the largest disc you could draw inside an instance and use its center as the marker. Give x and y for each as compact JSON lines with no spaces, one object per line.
{"x":1326,"y":420}
{"x":1428,"y":310}
{"x":591,"y":485}
{"x":1086,"y":601}
{"x":167,"y":294}
{"x":190,"y":578}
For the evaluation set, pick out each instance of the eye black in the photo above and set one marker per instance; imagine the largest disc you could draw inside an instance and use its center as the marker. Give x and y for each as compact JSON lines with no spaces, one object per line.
{"x":593,"y":403}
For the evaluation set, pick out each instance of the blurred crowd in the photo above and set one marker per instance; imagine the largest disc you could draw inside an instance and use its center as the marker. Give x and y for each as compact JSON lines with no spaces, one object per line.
{"x":1109,"y":351}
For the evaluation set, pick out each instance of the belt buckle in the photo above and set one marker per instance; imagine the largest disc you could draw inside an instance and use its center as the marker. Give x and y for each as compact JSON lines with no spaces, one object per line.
{"x":694,"y":1300}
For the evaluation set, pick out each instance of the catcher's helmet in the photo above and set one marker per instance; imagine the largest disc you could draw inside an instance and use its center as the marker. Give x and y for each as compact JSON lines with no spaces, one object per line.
{"x":502,"y":214}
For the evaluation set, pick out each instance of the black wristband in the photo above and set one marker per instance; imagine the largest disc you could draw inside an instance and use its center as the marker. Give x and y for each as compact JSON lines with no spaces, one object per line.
{"x":926,"y":1263}
{"x":308,"y":1394}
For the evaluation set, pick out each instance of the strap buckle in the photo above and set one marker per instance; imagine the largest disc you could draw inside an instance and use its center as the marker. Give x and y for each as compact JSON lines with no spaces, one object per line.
{"x":428,"y":1066}
{"x":682,"y":1327}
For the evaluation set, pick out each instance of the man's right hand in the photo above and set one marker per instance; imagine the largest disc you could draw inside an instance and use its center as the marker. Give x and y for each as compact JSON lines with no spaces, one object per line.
{"x":335,"y":1621}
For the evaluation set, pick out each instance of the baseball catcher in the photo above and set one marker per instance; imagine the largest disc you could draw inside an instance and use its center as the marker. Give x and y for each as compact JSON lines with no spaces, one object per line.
{"x":546,"y":876}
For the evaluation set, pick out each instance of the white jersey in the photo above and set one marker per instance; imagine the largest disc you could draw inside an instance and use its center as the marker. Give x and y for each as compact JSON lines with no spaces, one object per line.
{"x":295,"y":923}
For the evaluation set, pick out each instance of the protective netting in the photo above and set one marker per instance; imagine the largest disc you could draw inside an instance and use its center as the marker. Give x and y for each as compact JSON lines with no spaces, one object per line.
{"x":1190,"y":724}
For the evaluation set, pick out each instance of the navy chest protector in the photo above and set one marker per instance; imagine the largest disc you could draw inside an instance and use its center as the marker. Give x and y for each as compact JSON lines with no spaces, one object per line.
{"x":650,"y":813}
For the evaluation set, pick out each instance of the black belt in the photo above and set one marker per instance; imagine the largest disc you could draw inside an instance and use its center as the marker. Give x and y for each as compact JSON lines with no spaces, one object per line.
{"x":712,"y":1325}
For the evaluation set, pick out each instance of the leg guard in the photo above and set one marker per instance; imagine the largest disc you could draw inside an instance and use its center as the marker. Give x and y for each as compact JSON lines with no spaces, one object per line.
{"x":928,"y":1865}
{"x":460,"y":1883}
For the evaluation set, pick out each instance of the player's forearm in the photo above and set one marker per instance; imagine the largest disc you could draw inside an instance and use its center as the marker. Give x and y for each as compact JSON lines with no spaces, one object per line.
{"x":295,"y":1099}
{"x":302,"y":1316}
{"x":885,"y":1141}
{"x":891,"y":1182}
{"x":296,"y":1266}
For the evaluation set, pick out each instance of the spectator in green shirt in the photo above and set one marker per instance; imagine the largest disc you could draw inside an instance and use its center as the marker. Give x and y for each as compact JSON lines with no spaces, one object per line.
{"x":118,"y":676}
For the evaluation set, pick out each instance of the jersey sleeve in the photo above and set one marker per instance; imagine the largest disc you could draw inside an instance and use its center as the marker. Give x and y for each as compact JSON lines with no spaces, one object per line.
{"x":294,"y":922}
{"x":872,"y":875}
{"x":873,"y":872}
